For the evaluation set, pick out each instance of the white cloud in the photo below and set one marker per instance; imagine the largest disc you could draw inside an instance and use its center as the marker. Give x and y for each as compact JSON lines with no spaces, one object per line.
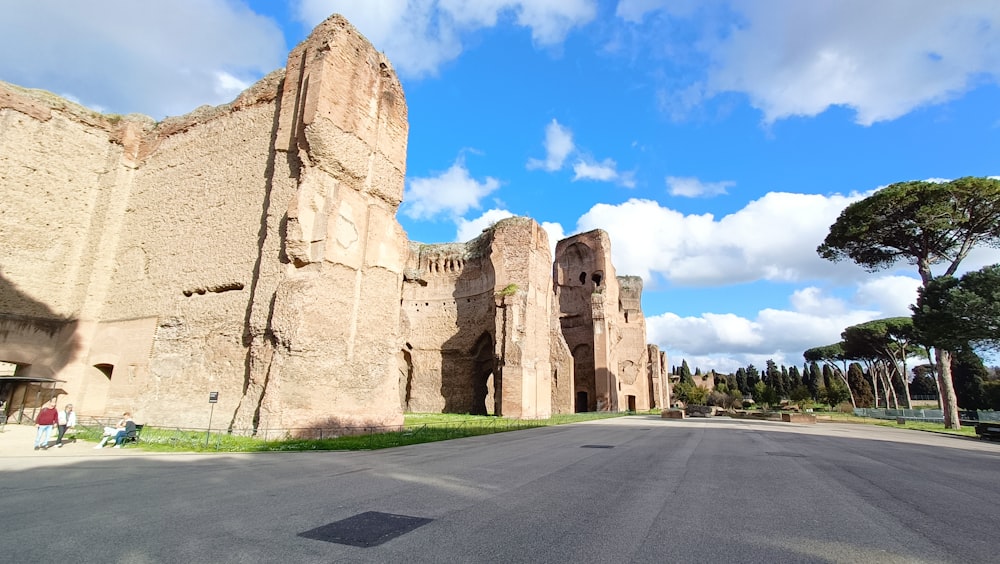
{"x":469,"y":229}
{"x":726,"y":341}
{"x":419,"y":36}
{"x":228,"y":86}
{"x":772,"y":333}
{"x":772,"y":238}
{"x":590,"y":170}
{"x":691,"y":187}
{"x":634,"y":11}
{"x":551,"y":20}
{"x":120,"y":56}
{"x":555,"y":232}
{"x":892,"y":295}
{"x":453,"y":192}
{"x":811,"y":300}
{"x":558,"y":146}
{"x":882,"y":59}
{"x":604,"y":171}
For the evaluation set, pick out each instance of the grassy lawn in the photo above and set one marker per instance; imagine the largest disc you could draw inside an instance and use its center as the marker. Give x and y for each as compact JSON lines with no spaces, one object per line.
{"x":417,"y":428}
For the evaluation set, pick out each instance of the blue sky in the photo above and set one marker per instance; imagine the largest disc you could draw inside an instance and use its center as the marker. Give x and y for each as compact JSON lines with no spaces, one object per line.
{"x":715,"y":141}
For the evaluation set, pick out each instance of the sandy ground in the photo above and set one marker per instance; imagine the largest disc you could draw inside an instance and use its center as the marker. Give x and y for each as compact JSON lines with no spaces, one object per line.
{"x":19,"y":440}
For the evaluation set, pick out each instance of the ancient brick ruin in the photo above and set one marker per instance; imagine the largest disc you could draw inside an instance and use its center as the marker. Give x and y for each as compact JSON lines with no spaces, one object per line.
{"x":253,"y":250}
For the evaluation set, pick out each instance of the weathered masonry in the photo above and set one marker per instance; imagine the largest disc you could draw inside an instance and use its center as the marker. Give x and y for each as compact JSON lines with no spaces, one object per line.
{"x":253,"y":249}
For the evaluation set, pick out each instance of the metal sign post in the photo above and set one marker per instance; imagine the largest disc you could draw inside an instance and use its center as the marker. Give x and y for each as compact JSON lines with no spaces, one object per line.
{"x":213,"y":398}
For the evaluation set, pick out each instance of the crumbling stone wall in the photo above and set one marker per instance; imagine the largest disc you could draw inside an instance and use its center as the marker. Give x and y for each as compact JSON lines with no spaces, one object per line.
{"x":476,"y":320}
{"x":629,"y":346}
{"x":250,"y":249}
{"x":447,"y":358}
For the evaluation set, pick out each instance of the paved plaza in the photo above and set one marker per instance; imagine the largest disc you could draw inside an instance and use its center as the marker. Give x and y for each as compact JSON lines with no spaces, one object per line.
{"x":633,"y":489}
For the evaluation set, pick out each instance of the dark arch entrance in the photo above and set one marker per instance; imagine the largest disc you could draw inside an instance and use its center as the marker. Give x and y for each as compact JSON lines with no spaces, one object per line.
{"x":485,"y":391}
{"x":583,"y":378}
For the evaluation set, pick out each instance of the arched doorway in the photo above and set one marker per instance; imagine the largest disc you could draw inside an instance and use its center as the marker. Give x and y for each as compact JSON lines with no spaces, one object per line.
{"x":95,"y":388}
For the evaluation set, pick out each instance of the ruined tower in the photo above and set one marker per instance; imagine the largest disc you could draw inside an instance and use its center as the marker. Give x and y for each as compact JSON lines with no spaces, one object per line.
{"x":602,"y":322}
{"x":250,"y":249}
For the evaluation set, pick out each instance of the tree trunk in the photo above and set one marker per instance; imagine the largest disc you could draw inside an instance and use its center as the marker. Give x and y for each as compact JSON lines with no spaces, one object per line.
{"x":947,"y":389}
{"x":906,"y":385}
{"x":850,"y":392}
{"x":890,"y":390}
{"x":874,"y":386}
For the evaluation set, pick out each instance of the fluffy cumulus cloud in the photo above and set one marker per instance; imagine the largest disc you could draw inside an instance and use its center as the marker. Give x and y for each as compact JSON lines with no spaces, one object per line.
{"x":606,"y":170}
{"x":454,"y":192}
{"x":892,"y":295}
{"x":419,"y":36}
{"x":882,"y":59}
{"x":469,"y":229}
{"x":772,"y":238}
{"x":559,"y":146}
{"x":690,"y":187}
{"x":555,"y":232}
{"x":119,"y":56}
{"x":727,"y":341}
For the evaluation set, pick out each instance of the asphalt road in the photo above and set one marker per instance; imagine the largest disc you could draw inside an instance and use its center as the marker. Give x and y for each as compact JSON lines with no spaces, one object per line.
{"x":636,"y":489}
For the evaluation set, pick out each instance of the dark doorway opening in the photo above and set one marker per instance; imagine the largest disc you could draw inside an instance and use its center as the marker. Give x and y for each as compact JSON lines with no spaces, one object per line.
{"x":581,"y":402}
{"x":631,"y":403}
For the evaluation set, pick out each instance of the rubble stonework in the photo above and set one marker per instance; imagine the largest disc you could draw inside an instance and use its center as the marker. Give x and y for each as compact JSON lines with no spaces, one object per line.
{"x":602,"y":322}
{"x":253,"y":250}
{"x":476,"y":323}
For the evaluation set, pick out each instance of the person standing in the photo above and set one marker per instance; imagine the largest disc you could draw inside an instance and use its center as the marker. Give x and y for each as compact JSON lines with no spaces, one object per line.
{"x":47,"y":417}
{"x":67,"y":421}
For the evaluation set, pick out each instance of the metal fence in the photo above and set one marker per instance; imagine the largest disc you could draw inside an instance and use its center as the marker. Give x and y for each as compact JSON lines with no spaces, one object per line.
{"x":929,"y":415}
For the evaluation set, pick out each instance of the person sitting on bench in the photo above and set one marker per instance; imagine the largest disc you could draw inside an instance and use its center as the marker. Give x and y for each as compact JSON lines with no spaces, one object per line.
{"x":128,"y":431}
{"x":123,"y":429}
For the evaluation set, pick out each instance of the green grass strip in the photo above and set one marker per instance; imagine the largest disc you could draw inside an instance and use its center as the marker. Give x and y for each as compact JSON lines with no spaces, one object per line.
{"x":417,"y":428}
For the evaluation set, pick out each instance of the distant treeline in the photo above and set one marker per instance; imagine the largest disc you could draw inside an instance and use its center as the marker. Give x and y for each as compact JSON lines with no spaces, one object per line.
{"x":977,"y":386}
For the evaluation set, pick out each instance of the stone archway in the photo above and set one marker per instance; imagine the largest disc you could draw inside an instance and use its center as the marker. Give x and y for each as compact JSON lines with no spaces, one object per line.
{"x":95,"y":387}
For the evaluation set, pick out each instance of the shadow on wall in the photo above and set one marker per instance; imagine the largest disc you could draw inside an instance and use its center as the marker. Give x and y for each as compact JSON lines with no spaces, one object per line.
{"x":39,"y":342}
{"x":470,"y":371}
{"x":252,"y":334}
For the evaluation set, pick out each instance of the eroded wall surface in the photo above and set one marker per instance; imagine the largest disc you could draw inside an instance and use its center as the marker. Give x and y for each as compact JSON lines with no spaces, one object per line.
{"x":250,"y":249}
{"x":629,"y":347}
{"x":476,"y":321}
{"x":447,"y":359}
